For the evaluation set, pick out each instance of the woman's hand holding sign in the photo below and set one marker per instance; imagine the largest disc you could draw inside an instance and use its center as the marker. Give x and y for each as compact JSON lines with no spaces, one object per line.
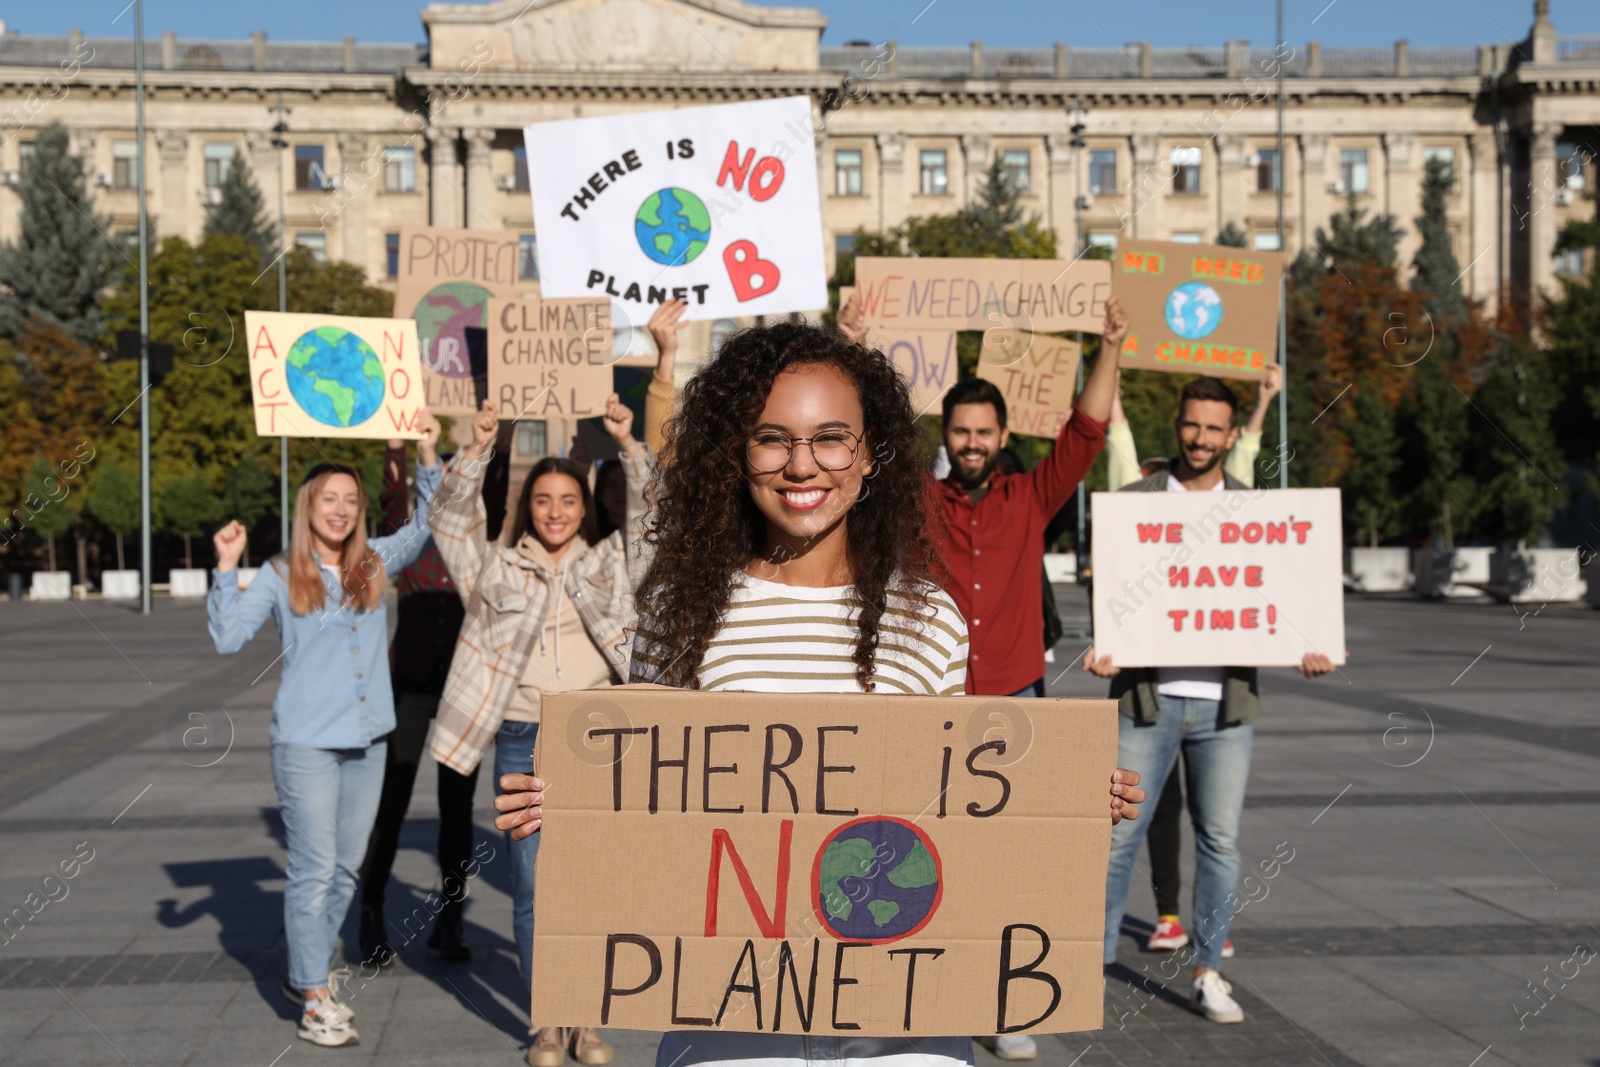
{"x":618,"y":421}
{"x":521,"y":801}
{"x":664,"y":326}
{"x":485,"y":428}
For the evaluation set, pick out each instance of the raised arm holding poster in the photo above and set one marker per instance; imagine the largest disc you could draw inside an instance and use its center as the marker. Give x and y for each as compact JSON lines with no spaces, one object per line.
{"x":1037,"y":375}
{"x":716,"y":206}
{"x":1199,"y":309}
{"x":446,"y":279}
{"x":550,"y":358}
{"x":334,"y":376}
{"x":1047,"y":295}
{"x":820,"y":863}
{"x":1236,"y":578}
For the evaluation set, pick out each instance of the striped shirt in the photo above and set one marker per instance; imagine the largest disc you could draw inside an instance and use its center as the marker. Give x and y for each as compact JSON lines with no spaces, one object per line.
{"x":796,"y":639}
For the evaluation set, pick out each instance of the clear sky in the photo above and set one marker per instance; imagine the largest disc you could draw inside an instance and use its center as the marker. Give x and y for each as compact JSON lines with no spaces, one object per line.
{"x":1086,"y":23}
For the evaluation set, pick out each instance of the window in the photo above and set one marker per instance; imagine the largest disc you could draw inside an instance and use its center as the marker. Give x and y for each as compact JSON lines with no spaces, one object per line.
{"x":25,"y":152}
{"x":1186,"y":238}
{"x":1016,"y":162}
{"x":219,"y":160}
{"x":935,"y":179}
{"x":316,"y":242}
{"x":124,"y":161}
{"x":1570,"y":261}
{"x":308,"y":172}
{"x":847,"y":172}
{"x":1103,"y":172}
{"x":1447,"y":156}
{"x":531,"y":440}
{"x":1186,"y":170}
{"x":1353,"y":169}
{"x":400,"y":169}
{"x":721,"y":330}
{"x":519,"y":168}
{"x":844,"y":244}
{"x":1569,"y":165}
{"x":1267,"y":242}
{"x":1103,"y":240}
{"x":1267,"y":170}
{"x":391,"y":254}
{"x":528,"y":257}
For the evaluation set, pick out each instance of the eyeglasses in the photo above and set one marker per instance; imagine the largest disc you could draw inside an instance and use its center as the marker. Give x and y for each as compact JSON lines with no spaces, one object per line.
{"x":834,"y":450}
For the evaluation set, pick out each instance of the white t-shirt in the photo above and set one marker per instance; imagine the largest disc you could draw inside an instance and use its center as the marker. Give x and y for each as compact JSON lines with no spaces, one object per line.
{"x":1198,"y":683}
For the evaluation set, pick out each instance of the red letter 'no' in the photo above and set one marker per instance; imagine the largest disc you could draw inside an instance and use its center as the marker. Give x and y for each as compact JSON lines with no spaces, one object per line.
{"x":770,"y":926}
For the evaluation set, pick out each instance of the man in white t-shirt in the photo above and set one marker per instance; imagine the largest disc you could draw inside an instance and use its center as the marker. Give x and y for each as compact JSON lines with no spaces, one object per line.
{"x":1207,"y":713}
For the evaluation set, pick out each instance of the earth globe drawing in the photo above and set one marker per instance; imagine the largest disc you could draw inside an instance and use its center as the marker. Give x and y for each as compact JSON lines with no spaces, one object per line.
{"x":672,"y":226}
{"x":1193,"y":310}
{"x":443,"y":317}
{"x":876,"y":879}
{"x":335,"y":376}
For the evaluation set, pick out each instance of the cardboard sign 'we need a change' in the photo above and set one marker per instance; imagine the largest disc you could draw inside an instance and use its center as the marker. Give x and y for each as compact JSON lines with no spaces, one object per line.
{"x":334,"y":375}
{"x":1199,"y":309}
{"x":714,"y":206}
{"x":1246,"y":578}
{"x":829,"y":864}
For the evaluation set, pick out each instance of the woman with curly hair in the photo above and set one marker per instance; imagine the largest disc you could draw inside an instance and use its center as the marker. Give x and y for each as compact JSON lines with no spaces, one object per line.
{"x":792,"y":555}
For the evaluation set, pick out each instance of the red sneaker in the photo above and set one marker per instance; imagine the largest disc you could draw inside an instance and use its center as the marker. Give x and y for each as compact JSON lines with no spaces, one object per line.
{"x":1227,"y":950}
{"x":1169,"y":936}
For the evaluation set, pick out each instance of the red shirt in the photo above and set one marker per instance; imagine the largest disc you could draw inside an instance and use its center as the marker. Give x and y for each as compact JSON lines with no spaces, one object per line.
{"x":994,"y":551}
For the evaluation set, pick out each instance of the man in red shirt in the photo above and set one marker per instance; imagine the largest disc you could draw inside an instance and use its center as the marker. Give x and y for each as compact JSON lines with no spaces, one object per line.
{"x":990,"y":526}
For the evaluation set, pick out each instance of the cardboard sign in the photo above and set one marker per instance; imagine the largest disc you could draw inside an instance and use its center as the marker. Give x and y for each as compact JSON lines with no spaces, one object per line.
{"x":1047,"y":295}
{"x":1247,"y":578}
{"x":446,"y":280}
{"x":715,"y":206}
{"x":925,"y":358}
{"x":1038,"y":376}
{"x":549,"y":358}
{"x":1199,"y":309}
{"x":821,"y":863}
{"x":334,"y":376}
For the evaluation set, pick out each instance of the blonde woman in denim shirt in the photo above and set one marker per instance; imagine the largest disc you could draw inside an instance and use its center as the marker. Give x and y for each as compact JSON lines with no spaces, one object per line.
{"x":334,"y":708}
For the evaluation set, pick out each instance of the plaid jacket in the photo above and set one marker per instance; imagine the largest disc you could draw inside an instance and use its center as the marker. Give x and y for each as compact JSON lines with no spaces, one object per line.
{"x":506,"y":596}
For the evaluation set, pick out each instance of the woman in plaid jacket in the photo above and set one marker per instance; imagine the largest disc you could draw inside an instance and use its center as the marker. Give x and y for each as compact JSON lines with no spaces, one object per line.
{"x":548,"y":609}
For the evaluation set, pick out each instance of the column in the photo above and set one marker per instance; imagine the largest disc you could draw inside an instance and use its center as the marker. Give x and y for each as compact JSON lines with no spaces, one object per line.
{"x":1233,"y":183}
{"x":168,"y":185}
{"x":480,"y":181}
{"x":1402,"y":192}
{"x":976,"y":152}
{"x":1541,"y":210}
{"x":1148,"y":190}
{"x":444,"y":187}
{"x":1482,"y":191}
{"x":1060,"y":193}
{"x":360,"y":174}
{"x":892,"y":177}
{"x":1314,"y":207}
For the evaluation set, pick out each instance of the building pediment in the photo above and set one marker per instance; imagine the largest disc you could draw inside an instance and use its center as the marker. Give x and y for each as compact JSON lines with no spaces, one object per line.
{"x":652,"y":35}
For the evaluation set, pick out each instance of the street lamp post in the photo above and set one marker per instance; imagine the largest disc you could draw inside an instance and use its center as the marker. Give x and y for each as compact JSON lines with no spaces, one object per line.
{"x":1283,"y":311}
{"x":144,"y":321}
{"x":1078,"y":115}
{"x":281,"y":143}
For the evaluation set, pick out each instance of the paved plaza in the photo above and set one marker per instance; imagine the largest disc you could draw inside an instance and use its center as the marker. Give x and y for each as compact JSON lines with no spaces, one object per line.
{"x":1435,"y":808}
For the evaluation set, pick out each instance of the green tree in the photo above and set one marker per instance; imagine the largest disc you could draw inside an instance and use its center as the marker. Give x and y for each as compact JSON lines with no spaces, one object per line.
{"x":1352,"y":238}
{"x":114,"y":500}
{"x":1444,"y":496}
{"x":1437,"y":272}
{"x":52,"y":518}
{"x":241,"y":212}
{"x":1572,"y":329}
{"x":250,"y":495}
{"x":1371,"y":507}
{"x":187,"y":506}
{"x":1518,"y":460}
{"x":61,"y":261}
{"x":1232,"y":236}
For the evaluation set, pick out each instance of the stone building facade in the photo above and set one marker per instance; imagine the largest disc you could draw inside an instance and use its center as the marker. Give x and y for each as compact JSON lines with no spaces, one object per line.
{"x":1175,"y":143}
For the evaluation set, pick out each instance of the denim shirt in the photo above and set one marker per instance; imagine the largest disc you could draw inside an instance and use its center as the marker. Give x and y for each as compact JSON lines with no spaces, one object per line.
{"x":335,"y":691}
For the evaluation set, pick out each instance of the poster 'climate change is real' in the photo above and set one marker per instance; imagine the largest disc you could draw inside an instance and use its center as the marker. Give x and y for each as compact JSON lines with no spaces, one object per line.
{"x":714,"y":206}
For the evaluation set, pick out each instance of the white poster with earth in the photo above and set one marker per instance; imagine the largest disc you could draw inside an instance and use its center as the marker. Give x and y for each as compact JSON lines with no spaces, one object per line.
{"x":714,"y":206}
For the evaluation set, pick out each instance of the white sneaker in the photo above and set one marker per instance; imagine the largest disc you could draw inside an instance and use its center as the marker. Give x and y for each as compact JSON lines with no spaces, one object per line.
{"x":1211,"y":999}
{"x":322,"y":1024}
{"x":295,"y":995}
{"x":1012,"y":1046}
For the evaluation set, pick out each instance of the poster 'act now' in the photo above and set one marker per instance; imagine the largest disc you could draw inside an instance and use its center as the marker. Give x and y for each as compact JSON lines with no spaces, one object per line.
{"x":714,"y":206}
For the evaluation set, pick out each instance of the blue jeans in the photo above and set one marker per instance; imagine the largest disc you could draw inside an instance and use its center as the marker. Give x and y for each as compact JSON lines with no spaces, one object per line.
{"x":1217,"y":759}
{"x":1034,"y":690}
{"x":513,"y":754}
{"x":329,"y":799}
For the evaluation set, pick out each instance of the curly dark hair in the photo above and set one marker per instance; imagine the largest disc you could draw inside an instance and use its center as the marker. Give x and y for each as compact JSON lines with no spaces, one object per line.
{"x":707,"y":527}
